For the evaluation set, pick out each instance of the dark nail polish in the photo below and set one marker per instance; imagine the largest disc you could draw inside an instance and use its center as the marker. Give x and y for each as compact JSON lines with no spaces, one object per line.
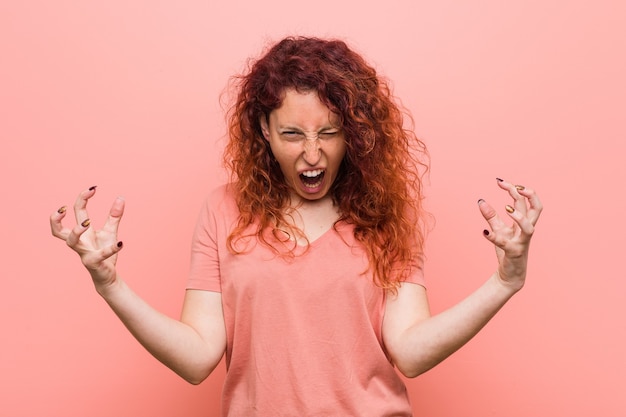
{"x":499,"y":179}
{"x":86,"y":223}
{"x":486,"y":232}
{"x":120,"y":244}
{"x":62,"y":210}
{"x":92,"y":188}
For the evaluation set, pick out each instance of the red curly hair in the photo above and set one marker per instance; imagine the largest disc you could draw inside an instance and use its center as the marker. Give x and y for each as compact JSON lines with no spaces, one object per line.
{"x":379,"y":185}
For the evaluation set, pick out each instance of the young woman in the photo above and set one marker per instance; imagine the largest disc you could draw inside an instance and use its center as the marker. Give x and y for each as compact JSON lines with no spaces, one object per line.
{"x":306,"y":267}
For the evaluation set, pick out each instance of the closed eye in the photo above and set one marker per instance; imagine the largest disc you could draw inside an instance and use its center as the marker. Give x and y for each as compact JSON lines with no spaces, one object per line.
{"x":292,"y":135}
{"x":298,"y":136}
{"x":328,"y":134}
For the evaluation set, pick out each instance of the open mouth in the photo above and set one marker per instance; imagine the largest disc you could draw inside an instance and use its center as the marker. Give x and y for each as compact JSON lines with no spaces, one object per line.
{"x":312,"y":179}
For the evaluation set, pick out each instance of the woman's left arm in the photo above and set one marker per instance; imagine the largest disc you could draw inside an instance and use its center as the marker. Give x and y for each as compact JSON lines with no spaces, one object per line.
{"x":417,"y":341}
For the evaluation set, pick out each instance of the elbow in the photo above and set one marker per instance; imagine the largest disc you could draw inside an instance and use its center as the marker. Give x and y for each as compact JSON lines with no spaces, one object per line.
{"x":404,"y":364}
{"x":417,"y":360}
{"x":410,"y":371}
{"x":195,"y":377}
{"x":195,"y":381}
{"x":412,"y":366}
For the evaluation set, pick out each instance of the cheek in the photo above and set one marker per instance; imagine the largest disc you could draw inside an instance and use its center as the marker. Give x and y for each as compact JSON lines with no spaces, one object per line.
{"x":339,"y":153}
{"x":285,"y":157}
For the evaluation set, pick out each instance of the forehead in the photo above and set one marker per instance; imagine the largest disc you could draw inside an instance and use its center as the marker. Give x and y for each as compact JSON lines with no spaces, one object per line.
{"x":303,"y":109}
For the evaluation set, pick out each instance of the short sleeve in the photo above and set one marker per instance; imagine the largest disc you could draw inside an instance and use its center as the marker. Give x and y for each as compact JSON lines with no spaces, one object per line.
{"x":416,"y":275}
{"x":204,"y":273}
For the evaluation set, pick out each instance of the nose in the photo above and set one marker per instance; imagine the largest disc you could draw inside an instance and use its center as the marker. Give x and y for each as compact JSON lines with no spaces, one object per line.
{"x":312,"y":152}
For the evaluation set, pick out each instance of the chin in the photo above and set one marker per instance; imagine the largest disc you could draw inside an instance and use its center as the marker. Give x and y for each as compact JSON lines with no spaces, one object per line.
{"x":312,"y":196}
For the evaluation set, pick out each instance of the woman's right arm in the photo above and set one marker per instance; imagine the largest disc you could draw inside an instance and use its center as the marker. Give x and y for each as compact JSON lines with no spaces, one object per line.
{"x":192,"y":346}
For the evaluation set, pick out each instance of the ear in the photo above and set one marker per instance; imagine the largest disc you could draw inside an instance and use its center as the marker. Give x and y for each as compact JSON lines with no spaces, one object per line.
{"x":265,"y":129}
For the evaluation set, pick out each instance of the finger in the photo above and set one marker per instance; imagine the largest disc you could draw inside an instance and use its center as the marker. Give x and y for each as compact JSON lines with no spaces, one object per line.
{"x":115,"y":216}
{"x":535,"y":204}
{"x":56,"y":223}
{"x":80,"y":205}
{"x":514,"y":191}
{"x":490,"y":214}
{"x":73,"y":237}
{"x":497,"y":239}
{"x":490,"y":236}
{"x":95,"y":258}
{"x":526,"y":226}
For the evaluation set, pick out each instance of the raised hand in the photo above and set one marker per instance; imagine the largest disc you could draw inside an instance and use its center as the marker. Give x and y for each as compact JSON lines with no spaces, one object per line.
{"x":512,"y":241}
{"x":97,"y":248}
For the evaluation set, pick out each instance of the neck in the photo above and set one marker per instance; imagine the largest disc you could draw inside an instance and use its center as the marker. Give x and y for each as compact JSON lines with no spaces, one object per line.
{"x":313,"y":217}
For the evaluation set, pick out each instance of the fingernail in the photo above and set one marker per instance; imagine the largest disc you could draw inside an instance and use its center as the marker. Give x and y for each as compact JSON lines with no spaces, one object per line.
{"x":519,"y":187}
{"x":499,"y":179}
{"x":486,"y":232}
{"x":509,"y":209}
{"x":481,"y":201}
{"x":120,"y":244}
{"x":92,"y":188}
{"x":62,"y":210}
{"x":86,"y":223}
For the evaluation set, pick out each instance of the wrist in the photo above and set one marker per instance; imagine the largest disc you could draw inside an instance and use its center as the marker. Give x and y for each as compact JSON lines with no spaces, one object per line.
{"x":509,"y":285}
{"x":107,"y":289}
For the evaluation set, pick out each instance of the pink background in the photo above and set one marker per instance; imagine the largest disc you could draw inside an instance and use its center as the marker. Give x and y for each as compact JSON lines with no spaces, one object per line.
{"x":125,"y":95}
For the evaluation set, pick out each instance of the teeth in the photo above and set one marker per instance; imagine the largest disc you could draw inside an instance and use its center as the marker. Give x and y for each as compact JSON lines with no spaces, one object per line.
{"x":312,"y":174}
{"x":317,"y":184}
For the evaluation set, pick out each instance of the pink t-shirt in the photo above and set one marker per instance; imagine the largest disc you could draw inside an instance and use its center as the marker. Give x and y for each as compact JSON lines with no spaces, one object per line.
{"x":303,"y":333}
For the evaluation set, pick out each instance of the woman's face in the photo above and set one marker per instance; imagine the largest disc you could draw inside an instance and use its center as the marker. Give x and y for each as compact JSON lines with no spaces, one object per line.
{"x":308,"y":143}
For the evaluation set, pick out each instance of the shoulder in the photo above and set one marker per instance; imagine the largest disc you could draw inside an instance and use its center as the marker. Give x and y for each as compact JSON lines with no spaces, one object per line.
{"x":219,"y":209}
{"x":221,"y":199}
{"x":222,"y":192}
